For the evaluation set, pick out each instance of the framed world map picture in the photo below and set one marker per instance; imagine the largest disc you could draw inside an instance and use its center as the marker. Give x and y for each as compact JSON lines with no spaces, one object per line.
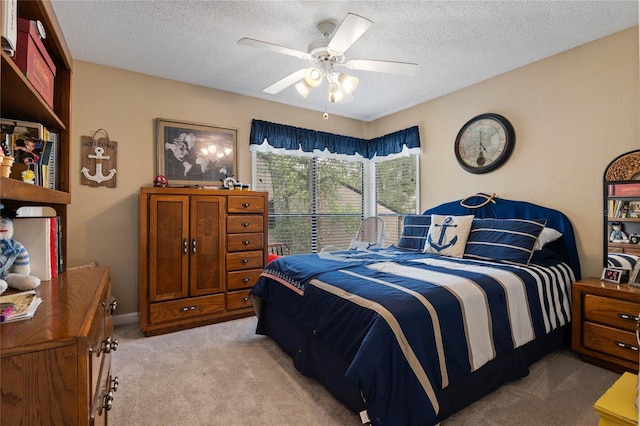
{"x":195,"y":154}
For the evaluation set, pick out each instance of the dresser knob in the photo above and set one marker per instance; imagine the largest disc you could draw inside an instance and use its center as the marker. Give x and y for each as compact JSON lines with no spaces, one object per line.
{"x":625,"y":345}
{"x":245,"y":205}
{"x":246,"y":242}
{"x":245,"y":299}
{"x":245,"y":261}
{"x":109,"y":345}
{"x":245,"y":224}
{"x":630,"y":317}
{"x":113,"y":305}
{"x":114,"y":384}
{"x":245,"y":280}
{"x":106,"y":402}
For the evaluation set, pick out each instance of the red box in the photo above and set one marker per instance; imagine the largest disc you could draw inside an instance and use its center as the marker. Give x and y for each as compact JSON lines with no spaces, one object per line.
{"x":34,"y":61}
{"x":626,"y":190}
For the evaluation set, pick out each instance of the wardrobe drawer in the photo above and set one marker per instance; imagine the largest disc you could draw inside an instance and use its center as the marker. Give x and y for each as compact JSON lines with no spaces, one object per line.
{"x":243,"y":223}
{"x":244,"y":260}
{"x":612,"y":341}
{"x":245,"y":204}
{"x":243,"y":242}
{"x":238,"y":299}
{"x":186,"y":308}
{"x":613,"y":312}
{"x":242,"y":279}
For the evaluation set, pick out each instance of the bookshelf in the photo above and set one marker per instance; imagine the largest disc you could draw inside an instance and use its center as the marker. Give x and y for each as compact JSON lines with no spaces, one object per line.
{"x":20,"y":101}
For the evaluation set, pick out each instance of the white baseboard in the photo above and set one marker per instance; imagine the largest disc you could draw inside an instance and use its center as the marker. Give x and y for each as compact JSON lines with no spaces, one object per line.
{"x":123,"y":319}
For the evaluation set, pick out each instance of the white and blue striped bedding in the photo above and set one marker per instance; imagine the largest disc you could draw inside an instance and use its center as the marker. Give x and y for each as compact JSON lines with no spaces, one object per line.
{"x":411,"y":323}
{"x":622,"y":260}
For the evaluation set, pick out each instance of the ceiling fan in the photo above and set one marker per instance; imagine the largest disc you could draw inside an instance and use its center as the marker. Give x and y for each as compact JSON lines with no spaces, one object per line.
{"x":325,"y":54}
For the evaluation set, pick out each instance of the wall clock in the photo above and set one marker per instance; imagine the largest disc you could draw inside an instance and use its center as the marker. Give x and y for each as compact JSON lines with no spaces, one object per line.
{"x":484,"y":143}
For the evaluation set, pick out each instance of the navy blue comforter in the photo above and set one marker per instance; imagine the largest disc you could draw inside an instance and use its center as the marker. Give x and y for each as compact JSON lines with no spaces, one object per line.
{"x":410,"y":324}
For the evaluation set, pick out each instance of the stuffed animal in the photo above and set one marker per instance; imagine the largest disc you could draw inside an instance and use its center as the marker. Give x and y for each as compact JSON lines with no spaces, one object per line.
{"x":617,"y":234}
{"x":15,"y":269}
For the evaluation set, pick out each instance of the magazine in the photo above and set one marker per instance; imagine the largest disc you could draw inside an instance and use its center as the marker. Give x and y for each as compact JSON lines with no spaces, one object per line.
{"x":19,"y":306}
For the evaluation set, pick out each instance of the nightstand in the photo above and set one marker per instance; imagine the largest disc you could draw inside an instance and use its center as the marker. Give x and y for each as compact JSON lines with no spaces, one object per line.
{"x":604,"y":320}
{"x":617,"y":405}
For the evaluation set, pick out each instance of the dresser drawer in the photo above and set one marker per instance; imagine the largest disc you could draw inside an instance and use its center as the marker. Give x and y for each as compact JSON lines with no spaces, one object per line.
{"x":243,"y":224}
{"x":238,"y":299}
{"x":245,"y":204}
{"x":186,"y":308}
{"x":244,"y":260}
{"x":613,"y":312}
{"x":243,"y":242}
{"x":242,"y":279}
{"x":612,"y":341}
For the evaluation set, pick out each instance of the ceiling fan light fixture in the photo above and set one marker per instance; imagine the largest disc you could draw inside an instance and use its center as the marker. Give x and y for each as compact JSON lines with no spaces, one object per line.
{"x":303,"y":88}
{"x":335,"y":94}
{"x":348,"y":82}
{"x":313,"y":77}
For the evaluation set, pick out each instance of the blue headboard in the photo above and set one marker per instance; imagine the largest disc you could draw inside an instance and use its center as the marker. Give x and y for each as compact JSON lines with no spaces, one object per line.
{"x":500,"y":208}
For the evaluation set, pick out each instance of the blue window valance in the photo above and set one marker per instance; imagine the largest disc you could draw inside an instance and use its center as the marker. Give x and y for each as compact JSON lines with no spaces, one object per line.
{"x":274,"y":137}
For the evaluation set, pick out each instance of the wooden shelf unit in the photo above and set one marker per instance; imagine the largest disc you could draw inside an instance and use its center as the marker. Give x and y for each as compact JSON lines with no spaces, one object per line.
{"x":20,"y":101}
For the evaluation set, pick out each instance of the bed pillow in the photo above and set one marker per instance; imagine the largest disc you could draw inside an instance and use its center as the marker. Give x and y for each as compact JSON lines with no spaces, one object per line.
{"x":448,"y":235}
{"x":508,"y":240}
{"x":546,"y":236}
{"x":414,"y":232}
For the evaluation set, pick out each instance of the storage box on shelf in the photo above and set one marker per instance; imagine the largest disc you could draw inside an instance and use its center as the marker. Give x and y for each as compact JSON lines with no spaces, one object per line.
{"x":33,"y":59}
{"x":604,"y":321}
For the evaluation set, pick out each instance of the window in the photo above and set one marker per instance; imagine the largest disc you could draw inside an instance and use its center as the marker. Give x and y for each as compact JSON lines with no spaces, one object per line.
{"x":315,"y":202}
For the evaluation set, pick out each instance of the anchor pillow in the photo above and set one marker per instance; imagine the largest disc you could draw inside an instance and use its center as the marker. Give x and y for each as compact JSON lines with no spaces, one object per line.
{"x":448,"y":235}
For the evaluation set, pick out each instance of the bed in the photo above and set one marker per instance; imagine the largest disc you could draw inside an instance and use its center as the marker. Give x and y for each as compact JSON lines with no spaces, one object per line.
{"x":408,"y":337}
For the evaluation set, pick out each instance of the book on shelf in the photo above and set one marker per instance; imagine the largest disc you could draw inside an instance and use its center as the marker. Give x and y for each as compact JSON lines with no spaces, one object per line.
{"x":40,"y":236}
{"x":34,"y":147}
{"x":9,"y":27}
{"x":19,"y":306}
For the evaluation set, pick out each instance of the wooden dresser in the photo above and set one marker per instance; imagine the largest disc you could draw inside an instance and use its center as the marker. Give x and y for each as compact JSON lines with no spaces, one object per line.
{"x":56,"y":367}
{"x":605,"y":317}
{"x":201,"y":251}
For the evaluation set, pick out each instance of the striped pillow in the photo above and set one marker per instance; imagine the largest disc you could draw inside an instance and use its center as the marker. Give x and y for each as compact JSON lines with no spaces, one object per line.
{"x":508,"y":240}
{"x":414,"y":232}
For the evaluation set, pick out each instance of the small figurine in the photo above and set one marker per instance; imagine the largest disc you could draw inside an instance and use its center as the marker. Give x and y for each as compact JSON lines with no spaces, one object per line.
{"x":617,"y":234}
{"x":161,"y":181}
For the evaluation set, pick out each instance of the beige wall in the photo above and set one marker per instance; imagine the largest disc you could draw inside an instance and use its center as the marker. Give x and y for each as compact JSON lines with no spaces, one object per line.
{"x":572,"y":114}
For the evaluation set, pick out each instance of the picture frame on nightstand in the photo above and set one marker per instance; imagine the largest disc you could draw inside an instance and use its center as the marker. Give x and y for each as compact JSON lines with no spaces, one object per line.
{"x":611,"y":274}
{"x":634,"y":278}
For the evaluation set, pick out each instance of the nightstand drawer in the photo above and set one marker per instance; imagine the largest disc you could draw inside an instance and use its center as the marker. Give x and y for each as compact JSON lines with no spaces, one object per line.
{"x":613,"y":312}
{"x":611,"y":341}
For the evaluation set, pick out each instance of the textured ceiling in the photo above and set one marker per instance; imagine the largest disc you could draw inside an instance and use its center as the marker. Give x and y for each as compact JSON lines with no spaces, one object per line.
{"x":454,"y":43}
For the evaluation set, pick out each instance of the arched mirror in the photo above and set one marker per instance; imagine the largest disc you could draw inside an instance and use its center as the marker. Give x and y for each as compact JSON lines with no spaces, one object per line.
{"x":622,"y":211}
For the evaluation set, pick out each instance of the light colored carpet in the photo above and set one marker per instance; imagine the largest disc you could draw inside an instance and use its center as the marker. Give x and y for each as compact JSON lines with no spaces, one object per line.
{"x":225,"y":374}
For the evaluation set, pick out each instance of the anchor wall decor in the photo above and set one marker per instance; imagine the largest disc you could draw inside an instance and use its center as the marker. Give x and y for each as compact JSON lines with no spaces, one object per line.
{"x":99,"y":161}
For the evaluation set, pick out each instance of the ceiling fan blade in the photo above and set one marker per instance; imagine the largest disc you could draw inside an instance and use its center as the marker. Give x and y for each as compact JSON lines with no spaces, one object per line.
{"x":280,"y":85}
{"x":350,"y":30}
{"x":273,"y":47}
{"x":404,"y":68}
